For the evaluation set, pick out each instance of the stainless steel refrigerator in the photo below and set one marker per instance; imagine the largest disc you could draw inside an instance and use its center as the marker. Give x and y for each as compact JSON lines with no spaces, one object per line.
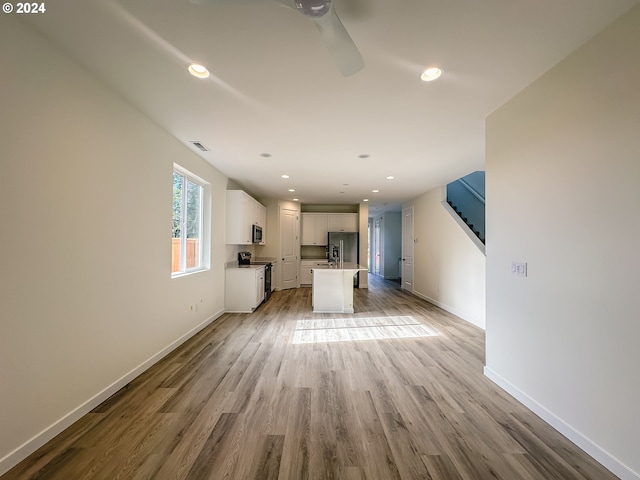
{"x":343,"y":246}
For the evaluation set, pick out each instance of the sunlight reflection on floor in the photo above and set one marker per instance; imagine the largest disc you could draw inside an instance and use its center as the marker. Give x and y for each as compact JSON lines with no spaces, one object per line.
{"x":354,"y":329}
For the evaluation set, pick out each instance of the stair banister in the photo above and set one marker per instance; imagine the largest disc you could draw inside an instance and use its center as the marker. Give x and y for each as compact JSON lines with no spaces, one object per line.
{"x":472,"y":190}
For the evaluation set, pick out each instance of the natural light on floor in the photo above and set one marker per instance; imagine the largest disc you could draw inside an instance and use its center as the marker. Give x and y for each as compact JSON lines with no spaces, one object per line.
{"x":367,"y":328}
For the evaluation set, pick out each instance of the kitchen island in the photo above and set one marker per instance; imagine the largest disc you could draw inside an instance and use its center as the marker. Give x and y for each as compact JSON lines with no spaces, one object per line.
{"x":333,"y":288}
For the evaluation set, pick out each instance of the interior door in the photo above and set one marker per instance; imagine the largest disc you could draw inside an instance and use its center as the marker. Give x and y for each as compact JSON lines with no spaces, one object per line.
{"x":407,"y":249}
{"x":288,"y":248}
{"x":376,"y":246}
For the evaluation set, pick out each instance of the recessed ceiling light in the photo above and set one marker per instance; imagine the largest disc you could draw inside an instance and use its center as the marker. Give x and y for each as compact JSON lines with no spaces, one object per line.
{"x":198,"y":70}
{"x":364,"y":155}
{"x":390,"y":177}
{"x":431,"y":74}
{"x":296,"y":199}
{"x":375,"y":191}
{"x":284,"y":176}
{"x":265,"y":155}
{"x":365,"y":199}
{"x":292,"y":189}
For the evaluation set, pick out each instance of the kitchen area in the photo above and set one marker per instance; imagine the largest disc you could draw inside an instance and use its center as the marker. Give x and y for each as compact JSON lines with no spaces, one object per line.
{"x":248,"y":282}
{"x":321,"y":234}
{"x":325,"y":247}
{"x":330,"y":260}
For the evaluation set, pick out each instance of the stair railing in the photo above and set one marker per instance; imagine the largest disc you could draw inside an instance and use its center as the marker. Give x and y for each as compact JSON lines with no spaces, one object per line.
{"x":468,"y":203}
{"x":472,"y":190}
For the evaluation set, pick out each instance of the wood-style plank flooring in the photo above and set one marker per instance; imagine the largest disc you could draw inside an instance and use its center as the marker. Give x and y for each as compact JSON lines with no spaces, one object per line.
{"x":394,"y":391}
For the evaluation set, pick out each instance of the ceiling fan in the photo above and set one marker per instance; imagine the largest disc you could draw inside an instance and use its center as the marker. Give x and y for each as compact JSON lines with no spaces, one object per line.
{"x":341,"y":47}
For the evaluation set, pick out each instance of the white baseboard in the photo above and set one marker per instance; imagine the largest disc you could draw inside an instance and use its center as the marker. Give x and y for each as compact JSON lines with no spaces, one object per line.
{"x":458,"y":313}
{"x":23,"y":451}
{"x":607,"y":460}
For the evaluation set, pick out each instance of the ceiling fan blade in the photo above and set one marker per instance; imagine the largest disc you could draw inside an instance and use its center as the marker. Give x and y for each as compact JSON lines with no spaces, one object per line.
{"x":344,"y":52}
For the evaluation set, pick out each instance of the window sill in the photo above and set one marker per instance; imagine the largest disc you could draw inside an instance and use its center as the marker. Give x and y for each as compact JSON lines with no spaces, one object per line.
{"x":190,"y":272}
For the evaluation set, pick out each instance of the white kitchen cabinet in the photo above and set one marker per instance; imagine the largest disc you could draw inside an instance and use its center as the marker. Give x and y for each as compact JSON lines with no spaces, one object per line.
{"x":259,"y":284}
{"x":243,"y":211}
{"x":342,"y":222}
{"x":261,"y":218}
{"x":314,"y":229}
{"x":244,"y":290}
{"x":307,"y":267}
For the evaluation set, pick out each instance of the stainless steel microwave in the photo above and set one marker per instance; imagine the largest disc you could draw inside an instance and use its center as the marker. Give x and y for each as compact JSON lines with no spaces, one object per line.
{"x":256,"y":234}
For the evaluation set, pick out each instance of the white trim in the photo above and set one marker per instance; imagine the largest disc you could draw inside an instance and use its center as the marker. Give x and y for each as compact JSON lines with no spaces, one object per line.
{"x":458,"y":313}
{"x":23,"y":451}
{"x":189,"y":272}
{"x":592,"y":449}
{"x":183,"y":171}
{"x":408,"y":208}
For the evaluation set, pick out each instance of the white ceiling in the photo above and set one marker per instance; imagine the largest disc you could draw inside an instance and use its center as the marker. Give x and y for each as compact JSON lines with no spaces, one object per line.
{"x":275,"y":90}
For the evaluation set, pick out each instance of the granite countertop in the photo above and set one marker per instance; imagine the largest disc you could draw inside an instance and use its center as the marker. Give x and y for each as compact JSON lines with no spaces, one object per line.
{"x":255,"y":263}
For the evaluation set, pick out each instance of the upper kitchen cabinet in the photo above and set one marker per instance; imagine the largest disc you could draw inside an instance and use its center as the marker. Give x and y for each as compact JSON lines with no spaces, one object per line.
{"x":243,"y":211}
{"x":314,"y":229}
{"x":342,"y":222}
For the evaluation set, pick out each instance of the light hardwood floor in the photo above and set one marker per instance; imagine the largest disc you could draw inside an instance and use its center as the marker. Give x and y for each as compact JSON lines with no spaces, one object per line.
{"x":394,"y":391}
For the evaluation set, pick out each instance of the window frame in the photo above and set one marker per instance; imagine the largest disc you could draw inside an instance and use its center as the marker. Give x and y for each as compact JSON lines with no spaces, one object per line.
{"x":204,"y":246}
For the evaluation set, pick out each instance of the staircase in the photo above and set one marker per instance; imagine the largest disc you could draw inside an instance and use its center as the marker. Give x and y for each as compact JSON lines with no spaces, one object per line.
{"x":466,"y":196}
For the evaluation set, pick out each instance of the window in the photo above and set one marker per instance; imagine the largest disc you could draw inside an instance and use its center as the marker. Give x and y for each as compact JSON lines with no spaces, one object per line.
{"x":188,"y":226}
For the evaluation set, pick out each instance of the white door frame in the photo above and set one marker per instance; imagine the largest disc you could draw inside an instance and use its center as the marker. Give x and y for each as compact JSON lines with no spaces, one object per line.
{"x":289,"y":248}
{"x":407,"y":249}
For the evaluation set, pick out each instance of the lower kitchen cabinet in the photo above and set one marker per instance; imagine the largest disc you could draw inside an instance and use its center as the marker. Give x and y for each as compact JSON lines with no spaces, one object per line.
{"x":306,"y":269}
{"x":244,"y":290}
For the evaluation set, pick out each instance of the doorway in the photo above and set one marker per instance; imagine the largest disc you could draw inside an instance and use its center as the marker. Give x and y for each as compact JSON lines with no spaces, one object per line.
{"x":289,"y":227}
{"x":407,"y":249}
{"x":376,"y":245}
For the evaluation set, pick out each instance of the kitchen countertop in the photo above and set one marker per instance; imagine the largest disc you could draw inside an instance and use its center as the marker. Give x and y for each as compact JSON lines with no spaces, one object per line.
{"x":236,"y":265}
{"x":344,"y":266}
{"x":258,"y":262}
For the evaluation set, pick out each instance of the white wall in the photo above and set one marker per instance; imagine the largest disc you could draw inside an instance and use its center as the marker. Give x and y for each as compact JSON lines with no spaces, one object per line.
{"x":85,"y":199}
{"x":449,"y":270}
{"x":563,"y":193}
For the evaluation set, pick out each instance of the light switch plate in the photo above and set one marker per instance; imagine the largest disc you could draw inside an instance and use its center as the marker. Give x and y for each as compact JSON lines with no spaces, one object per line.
{"x":519,"y":269}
